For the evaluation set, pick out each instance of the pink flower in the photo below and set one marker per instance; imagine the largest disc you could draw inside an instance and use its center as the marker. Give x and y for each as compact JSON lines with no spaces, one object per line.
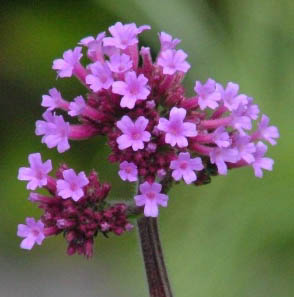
{"x":219,"y":156}
{"x":239,"y":119}
{"x":134,"y":134}
{"x":123,"y":36}
{"x":132,"y":89}
{"x":66,"y":66}
{"x":246,"y":149}
{"x":101,"y":77}
{"x":55,"y":130}
{"x":221,"y":137}
{"x":167,"y":42}
{"x":207,"y":94}
{"x":37,"y":172}
{"x":151,"y":198}
{"x":251,"y":110}
{"x":128,"y":171}
{"x":54,"y":100}
{"x":184,"y":167}
{"x":94,"y":45}
{"x":72,"y":185}
{"x":77,"y":106}
{"x":120,"y":63}
{"x":172,"y":61}
{"x":32,"y":232}
{"x":261,"y":162}
{"x":176,"y":129}
{"x":267,"y":132}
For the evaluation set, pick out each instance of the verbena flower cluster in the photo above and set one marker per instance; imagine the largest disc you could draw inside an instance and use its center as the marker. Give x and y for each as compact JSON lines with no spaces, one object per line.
{"x":156,"y":133}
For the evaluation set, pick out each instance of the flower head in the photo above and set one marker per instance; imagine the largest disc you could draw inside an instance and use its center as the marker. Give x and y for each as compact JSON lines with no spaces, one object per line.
{"x":101,"y":77}
{"x":128,"y":171}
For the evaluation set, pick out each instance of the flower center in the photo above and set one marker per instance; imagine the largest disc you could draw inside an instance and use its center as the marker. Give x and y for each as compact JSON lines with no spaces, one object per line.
{"x":184,"y":165}
{"x":136,"y":135}
{"x":150,"y":195}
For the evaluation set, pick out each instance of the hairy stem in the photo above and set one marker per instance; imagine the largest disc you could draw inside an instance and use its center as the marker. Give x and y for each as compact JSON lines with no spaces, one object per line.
{"x":153,"y":258}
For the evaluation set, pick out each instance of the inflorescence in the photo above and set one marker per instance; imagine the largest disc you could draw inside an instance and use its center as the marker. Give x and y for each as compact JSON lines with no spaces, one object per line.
{"x":156,"y":134}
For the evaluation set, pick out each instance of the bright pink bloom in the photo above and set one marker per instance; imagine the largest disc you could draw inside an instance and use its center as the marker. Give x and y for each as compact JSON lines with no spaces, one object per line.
{"x":132,"y":89}
{"x":167,"y":42}
{"x":134,"y":134}
{"x":54,"y":100}
{"x":32,"y":232}
{"x":101,"y":77}
{"x":184,"y":167}
{"x":72,"y":185}
{"x":55,"y":130}
{"x":267,"y":132}
{"x":172,"y":61}
{"x":66,"y":66}
{"x":37,"y":172}
{"x":77,"y":106}
{"x":120,"y":63}
{"x":151,"y":198}
{"x":246,"y":149}
{"x":176,"y":129}
{"x":261,"y":162}
{"x":207,"y":94}
{"x":128,"y":171}
{"x":94,"y":46}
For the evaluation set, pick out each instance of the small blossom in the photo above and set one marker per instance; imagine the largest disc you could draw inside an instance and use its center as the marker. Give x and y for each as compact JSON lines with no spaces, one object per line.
{"x":252,"y":110}
{"x":267,"y":132}
{"x":104,"y":226}
{"x":246,"y":149}
{"x":176,"y":129}
{"x":151,"y":198}
{"x":120,"y":63}
{"x":150,"y":104}
{"x":71,"y":186}
{"x":239,"y":120}
{"x":221,"y":137}
{"x":128,"y":171}
{"x":77,"y":106}
{"x":123,"y":36}
{"x":32,"y":232}
{"x":172,"y":61}
{"x":184,"y":167}
{"x":261,"y":162}
{"x":132,"y":89}
{"x":37,"y":173}
{"x":101,"y":77}
{"x":207,"y":94}
{"x":94,"y":45}
{"x":65,"y":66}
{"x":167,"y":42}
{"x":134,"y":134}
{"x":53,"y":100}
{"x":161,"y":173}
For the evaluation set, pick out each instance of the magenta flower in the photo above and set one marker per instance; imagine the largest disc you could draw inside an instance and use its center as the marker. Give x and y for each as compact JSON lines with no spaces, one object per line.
{"x":167,"y":42}
{"x":123,"y":36}
{"x":184,"y":167}
{"x":207,"y":94}
{"x":77,"y":106}
{"x":101,"y":77}
{"x":219,"y":156}
{"x":134,"y":134}
{"x":55,"y":131}
{"x":94,"y":45}
{"x":128,"y":171}
{"x":71,"y":186}
{"x":37,"y":173}
{"x":151,"y":198}
{"x":260,"y":161}
{"x":54,"y":100}
{"x":239,"y":119}
{"x":66,"y":66}
{"x":132,"y":89}
{"x":267,"y":132}
{"x":221,"y":137}
{"x":32,"y":232}
{"x":172,"y":61}
{"x":120,"y":63}
{"x":176,"y":129}
{"x":246,"y":149}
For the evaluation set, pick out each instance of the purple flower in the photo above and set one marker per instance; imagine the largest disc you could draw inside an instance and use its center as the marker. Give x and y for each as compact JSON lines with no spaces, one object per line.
{"x":77,"y":106}
{"x":219,"y":156}
{"x":167,"y":42}
{"x":207,"y":94}
{"x":55,"y":131}
{"x":184,"y":167}
{"x":176,"y":129}
{"x":172,"y":61}
{"x":94,"y":45}
{"x":239,"y":119}
{"x":267,"y":132}
{"x":65,"y":66}
{"x":134,"y":134}
{"x":230,"y":96}
{"x":53,"y":100}
{"x":101,"y":77}
{"x":120,"y":63}
{"x":37,"y":172}
{"x":251,"y":110}
{"x":246,"y":149}
{"x":32,"y":232}
{"x":150,"y":198}
{"x":128,"y":171}
{"x":261,"y":162}
{"x":132,"y":89}
{"x":123,"y":36}
{"x":221,"y":137}
{"x":72,"y":185}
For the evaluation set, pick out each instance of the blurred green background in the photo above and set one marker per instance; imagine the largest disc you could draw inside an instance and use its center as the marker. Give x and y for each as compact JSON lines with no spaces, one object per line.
{"x":232,"y":238}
